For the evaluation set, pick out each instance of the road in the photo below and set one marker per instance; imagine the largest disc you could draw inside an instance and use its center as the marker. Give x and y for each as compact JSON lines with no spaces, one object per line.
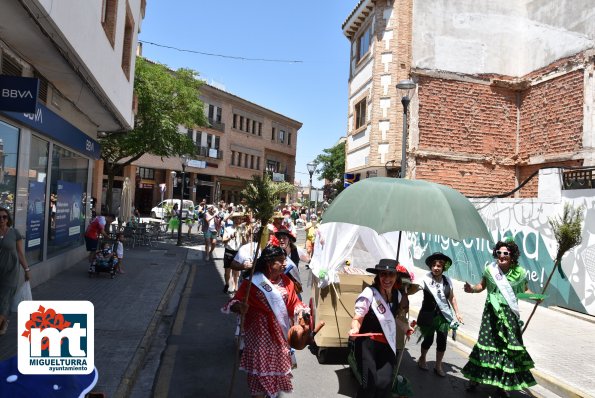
{"x":198,"y":352}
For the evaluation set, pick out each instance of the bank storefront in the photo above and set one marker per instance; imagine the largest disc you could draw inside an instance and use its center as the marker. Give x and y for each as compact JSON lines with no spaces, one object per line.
{"x":45,"y":183}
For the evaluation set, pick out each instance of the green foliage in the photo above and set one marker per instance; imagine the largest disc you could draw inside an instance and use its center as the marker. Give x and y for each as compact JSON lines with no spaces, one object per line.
{"x":567,"y":230}
{"x":262,"y":195}
{"x":166,"y":100}
{"x":331,"y":166}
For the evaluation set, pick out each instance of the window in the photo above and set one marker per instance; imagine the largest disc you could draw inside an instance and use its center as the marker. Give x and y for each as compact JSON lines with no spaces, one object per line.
{"x":127,"y":46}
{"x":363,"y":42}
{"x":258,"y":163}
{"x":281,"y":136}
{"x":273,"y":134}
{"x":233,"y":158}
{"x":247,"y":125}
{"x":260,"y":129}
{"x":360,"y":113}
{"x":235,"y":121}
{"x":199,"y":138}
{"x":38,"y":169}
{"x":251,"y":161}
{"x":289,"y":139}
{"x":145,"y":173}
{"x":254,"y":127}
{"x":190,"y":134}
{"x":246,"y":160}
{"x":68,"y":184}
{"x":108,"y":19}
{"x":240,"y":159}
{"x":218,"y":117}
{"x":209,"y":140}
{"x":211,"y":112}
{"x":241,"y":122}
{"x":217,"y":141}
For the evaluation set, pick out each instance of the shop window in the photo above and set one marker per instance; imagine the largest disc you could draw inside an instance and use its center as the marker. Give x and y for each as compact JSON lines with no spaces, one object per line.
{"x":68,"y":183}
{"x":36,"y":226}
{"x":9,"y":148}
{"x":145,"y":173}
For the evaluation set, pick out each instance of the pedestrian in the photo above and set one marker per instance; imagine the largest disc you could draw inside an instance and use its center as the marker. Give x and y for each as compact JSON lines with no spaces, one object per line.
{"x":499,"y":358}
{"x":210,"y":228}
{"x":174,"y":219}
{"x":120,"y":252}
{"x":436,"y":314}
{"x":311,"y":232}
{"x":232,"y":239}
{"x":375,"y":331}
{"x":11,"y":255}
{"x":273,"y":227}
{"x":294,"y":254}
{"x":98,"y":227}
{"x":269,"y":312}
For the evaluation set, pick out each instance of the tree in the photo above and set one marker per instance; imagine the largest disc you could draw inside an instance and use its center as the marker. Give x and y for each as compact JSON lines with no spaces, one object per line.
{"x":332,"y":168}
{"x":166,"y":100}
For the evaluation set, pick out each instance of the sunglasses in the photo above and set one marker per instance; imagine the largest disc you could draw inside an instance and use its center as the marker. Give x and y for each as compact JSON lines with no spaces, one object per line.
{"x":3,"y":217}
{"x":505,"y":254}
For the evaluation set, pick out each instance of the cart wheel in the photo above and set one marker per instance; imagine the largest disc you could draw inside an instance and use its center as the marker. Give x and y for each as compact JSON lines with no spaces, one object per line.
{"x":322,"y":355}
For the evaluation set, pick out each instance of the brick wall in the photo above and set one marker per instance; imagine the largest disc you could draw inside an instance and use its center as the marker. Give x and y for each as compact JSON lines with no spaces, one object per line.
{"x":552,"y":116}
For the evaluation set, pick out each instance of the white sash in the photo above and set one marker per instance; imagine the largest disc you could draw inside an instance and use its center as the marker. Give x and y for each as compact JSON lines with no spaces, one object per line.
{"x":440,"y":297}
{"x":275,"y":300}
{"x":504,"y":287}
{"x":385,"y":317}
{"x":292,"y":269}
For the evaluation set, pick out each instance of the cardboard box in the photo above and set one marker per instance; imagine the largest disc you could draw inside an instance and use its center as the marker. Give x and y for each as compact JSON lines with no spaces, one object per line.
{"x":334,"y":305}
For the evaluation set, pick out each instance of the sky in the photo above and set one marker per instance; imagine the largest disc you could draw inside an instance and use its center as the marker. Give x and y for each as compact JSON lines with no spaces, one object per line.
{"x":312,"y":91}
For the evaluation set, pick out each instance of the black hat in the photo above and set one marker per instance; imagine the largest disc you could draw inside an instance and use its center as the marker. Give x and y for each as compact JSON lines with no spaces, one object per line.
{"x":439,"y":256}
{"x":286,"y":232}
{"x":386,"y":264}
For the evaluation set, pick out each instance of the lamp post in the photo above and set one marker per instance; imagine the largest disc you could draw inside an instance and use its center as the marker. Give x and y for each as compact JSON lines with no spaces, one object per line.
{"x":311,"y":169}
{"x":173,"y":183}
{"x":184,"y":164}
{"x":406,"y":88}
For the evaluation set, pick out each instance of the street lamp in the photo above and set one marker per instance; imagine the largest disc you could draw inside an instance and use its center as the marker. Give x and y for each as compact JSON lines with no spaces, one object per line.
{"x":173,"y":182}
{"x":311,"y":169}
{"x":406,"y":88}
{"x":184,"y":164}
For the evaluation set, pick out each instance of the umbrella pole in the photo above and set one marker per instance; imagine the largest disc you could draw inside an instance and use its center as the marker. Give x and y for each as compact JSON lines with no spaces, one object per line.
{"x":399,"y":246}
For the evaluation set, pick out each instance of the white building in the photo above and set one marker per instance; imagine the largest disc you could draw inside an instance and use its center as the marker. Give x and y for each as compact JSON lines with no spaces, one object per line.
{"x":83,"y":55}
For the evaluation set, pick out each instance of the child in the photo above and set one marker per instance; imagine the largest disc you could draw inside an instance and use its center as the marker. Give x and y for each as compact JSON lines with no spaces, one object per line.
{"x":120,"y":252}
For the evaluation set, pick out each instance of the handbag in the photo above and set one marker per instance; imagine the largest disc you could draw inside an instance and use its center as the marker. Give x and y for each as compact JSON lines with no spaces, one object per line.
{"x":425,"y":318}
{"x":23,"y":293}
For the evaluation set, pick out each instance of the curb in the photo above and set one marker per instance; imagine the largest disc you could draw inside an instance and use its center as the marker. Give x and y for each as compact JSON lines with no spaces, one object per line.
{"x":544,"y":380}
{"x":127,"y":381}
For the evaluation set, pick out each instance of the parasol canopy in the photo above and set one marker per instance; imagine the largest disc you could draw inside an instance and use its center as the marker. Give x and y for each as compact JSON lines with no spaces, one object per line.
{"x":126,"y":201}
{"x":395,"y":204}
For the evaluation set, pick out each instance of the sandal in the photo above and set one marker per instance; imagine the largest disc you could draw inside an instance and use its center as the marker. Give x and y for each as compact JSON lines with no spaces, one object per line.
{"x":422,"y":365}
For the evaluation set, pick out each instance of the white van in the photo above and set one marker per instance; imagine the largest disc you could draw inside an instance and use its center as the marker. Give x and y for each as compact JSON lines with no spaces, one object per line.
{"x":160,"y":211}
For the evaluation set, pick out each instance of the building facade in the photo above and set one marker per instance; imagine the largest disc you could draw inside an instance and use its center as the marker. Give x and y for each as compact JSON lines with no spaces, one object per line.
{"x":85,"y":86}
{"x":502,"y":90}
{"x":243,"y":139}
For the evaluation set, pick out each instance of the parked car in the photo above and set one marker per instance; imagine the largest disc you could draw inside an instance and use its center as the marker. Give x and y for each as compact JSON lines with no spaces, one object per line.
{"x":162,"y":208}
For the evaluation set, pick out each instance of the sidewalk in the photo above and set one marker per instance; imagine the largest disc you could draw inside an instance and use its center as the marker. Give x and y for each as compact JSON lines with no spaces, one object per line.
{"x":127,"y":309}
{"x":560,"y":343}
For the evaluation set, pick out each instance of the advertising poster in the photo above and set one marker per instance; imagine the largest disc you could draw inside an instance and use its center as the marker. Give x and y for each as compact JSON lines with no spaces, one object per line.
{"x":68,"y":212}
{"x":35,"y":214}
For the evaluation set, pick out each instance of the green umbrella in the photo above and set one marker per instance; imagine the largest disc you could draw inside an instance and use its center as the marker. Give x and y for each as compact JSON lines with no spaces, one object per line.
{"x":396,"y":204}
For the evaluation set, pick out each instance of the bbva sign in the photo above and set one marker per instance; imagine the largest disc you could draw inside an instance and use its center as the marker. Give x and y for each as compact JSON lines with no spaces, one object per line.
{"x":18,"y":94}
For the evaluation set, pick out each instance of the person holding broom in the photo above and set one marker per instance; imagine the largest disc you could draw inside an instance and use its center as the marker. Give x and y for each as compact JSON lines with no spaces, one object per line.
{"x":499,"y":357}
{"x":270,"y":309}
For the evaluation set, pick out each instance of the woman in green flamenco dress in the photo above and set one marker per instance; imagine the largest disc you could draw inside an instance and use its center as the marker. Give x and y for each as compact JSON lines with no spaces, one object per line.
{"x":499,"y":357}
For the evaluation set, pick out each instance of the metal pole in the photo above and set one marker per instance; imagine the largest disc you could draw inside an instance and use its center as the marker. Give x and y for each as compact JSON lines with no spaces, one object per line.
{"x":316,"y":203}
{"x":309,"y":197}
{"x":181,"y":206}
{"x":405,"y":101}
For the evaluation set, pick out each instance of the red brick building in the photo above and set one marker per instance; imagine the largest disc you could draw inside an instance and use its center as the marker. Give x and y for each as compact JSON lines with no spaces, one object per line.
{"x":502,"y":90}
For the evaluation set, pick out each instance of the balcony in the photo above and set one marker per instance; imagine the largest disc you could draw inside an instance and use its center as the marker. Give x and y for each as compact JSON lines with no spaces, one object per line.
{"x":216,"y":125}
{"x":278,"y":177}
{"x":207,"y":152}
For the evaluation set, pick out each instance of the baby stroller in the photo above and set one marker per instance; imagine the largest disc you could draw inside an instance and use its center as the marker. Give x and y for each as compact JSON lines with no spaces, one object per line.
{"x":105,"y":260}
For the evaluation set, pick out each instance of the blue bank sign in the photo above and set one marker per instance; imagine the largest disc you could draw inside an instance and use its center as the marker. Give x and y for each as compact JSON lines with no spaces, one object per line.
{"x":18,"y":94}
{"x":45,"y":121}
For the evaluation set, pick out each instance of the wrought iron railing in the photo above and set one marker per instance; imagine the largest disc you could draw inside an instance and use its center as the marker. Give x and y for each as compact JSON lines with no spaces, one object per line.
{"x":208,"y":152}
{"x":578,"y":179}
{"x":216,"y":125}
